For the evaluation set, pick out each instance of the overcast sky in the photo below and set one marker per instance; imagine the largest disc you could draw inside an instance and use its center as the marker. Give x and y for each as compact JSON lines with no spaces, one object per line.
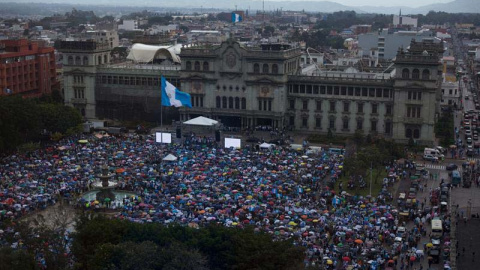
{"x":386,"y":3}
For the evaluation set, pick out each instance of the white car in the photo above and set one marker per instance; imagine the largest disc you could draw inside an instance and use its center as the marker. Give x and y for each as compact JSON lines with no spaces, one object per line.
{"x":429,"y":157}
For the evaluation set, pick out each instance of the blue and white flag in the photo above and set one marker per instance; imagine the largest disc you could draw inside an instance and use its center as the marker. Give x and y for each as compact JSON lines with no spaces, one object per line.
{"x":236,"y":17}
{"x":171,"y":96}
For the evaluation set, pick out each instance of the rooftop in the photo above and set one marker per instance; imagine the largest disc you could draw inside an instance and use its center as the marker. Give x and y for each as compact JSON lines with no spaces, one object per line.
{"x":131,"y":65}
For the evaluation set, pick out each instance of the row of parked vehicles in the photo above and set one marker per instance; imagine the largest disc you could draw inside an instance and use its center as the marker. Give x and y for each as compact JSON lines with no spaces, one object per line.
{"x":471,"y":127}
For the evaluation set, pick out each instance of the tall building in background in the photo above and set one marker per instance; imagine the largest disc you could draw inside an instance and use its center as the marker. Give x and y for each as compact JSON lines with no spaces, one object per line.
{"x":26,"y":68}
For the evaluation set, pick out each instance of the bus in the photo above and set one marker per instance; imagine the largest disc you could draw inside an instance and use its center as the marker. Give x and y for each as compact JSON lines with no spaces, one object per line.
{"x":456,"y":178}
{"x":437,"y":229}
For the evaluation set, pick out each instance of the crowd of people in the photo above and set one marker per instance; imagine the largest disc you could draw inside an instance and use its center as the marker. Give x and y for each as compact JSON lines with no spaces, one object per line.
{"x":284,"y":192}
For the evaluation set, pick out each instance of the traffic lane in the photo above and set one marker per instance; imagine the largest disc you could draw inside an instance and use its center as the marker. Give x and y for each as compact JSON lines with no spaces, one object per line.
{"x":425,"y":198}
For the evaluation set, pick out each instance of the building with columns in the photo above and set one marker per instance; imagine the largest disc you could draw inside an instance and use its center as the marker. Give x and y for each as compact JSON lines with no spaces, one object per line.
{"x":418,"y":95}
{"x":80,"y":62}
{"x":264,"y":86}
{"x":242,"y":87}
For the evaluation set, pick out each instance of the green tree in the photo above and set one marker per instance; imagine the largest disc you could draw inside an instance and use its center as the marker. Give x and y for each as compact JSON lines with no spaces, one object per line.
{"x":16,"y":259}
{"x":269,"y":30}
{"x":58,"y":118}
{"x":99,"y":243}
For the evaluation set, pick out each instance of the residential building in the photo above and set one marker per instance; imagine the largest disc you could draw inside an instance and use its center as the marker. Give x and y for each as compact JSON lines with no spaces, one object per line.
{"x":129,"y":25}
{"x":27,"y":68}
{"x":387,"y":42}
{"x":450,"y":94}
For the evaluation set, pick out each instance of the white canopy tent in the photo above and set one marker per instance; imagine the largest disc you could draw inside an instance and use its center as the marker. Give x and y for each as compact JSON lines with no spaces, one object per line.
{"x":266,"y":145}
{"x":201,"y":121}
{"x":142,"y":53}
{"x":170,"y":157}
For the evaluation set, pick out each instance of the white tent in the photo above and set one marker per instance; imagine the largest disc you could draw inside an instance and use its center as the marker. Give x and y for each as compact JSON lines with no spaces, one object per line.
{"x":170,"y":157}
{"x":142,"y":53}
{"x":201,"y":121}
{"x":266,"y":145}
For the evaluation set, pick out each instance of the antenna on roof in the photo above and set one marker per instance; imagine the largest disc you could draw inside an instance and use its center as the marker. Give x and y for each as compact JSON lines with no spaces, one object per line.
{"x":263,"y":13}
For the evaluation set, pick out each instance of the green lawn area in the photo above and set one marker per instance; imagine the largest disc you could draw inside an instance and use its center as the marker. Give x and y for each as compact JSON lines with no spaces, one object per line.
{"x":376,"y":187}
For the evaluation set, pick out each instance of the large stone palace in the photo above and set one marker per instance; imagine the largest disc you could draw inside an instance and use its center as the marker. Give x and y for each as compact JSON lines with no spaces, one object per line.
{"x":250,"y":86}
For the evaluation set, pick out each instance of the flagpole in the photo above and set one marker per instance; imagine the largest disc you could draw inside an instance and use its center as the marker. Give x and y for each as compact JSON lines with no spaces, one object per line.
{"x":161,"y":105}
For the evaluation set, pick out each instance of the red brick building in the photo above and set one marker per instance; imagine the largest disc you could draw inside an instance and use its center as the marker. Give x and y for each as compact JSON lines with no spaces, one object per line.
{"x":26,"y":68}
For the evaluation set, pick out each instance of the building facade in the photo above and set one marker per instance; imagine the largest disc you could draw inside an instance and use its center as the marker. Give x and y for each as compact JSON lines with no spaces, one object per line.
{"x":239,"y":86}
{"x":264,"y":86}
{"x":450,"y":94}
{"x":417,"y":92}
{"x":80,"y":62}
{"x":26,"y":68}
{"x":387,"y":41}
{"x":99,"y":89}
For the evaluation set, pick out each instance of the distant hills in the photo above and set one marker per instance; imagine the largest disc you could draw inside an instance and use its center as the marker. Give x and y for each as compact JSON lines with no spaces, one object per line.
{"x":457,"y":6}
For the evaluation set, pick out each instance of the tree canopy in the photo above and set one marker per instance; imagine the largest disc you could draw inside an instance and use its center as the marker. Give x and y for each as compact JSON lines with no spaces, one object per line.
{"x":102,"y":243}
{"x":24,"y":120}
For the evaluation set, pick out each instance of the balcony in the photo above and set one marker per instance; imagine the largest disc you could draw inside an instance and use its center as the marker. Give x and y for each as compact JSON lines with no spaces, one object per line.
{"x":79,"y":101}
{"x":409,"y":120}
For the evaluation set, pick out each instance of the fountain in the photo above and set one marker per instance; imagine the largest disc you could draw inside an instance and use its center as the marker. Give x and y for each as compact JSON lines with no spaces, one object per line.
{"x":106,"y":186}
{"x":103,"y":191}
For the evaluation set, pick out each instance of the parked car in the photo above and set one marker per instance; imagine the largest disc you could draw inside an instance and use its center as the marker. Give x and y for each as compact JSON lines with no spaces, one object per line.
{"x":451,"y":167}
{"x":429,"y":157}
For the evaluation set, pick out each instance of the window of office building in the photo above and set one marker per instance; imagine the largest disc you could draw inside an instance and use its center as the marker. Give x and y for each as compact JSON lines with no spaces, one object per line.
{"x":332,"y":106}
{"x":373,"y":125}
{"x":224,"y":102}
{"x":360,"y":124}
{"x":345,"y":123}
{"x":426,"y":74}
{"x":256,"y":68}
{"x":304,"y":122}
{"x":360,"y":107}
{"x":318,"y":122}
{"x":388,"y":109}
{"x":388,"y":127}
{"x":331,"y":123}
{"x":275,"y":69}
{"x":416,"y":74}
{"x":265,"y":69}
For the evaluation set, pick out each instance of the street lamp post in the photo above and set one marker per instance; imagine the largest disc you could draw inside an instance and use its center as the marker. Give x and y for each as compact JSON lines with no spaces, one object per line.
{"x":371,"y":176}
